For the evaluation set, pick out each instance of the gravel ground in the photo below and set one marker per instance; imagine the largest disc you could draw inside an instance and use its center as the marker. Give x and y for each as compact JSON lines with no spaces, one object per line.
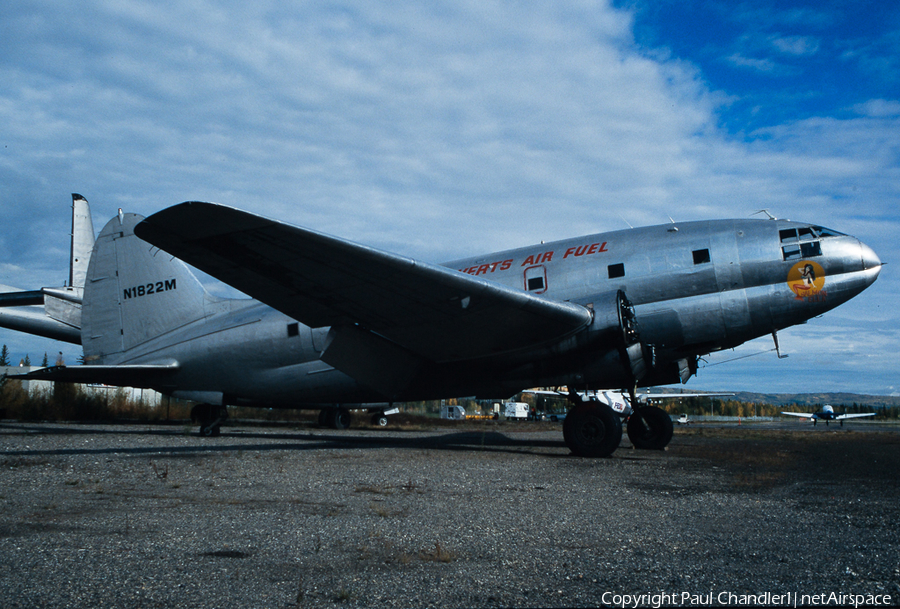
{"x":150,"y":516}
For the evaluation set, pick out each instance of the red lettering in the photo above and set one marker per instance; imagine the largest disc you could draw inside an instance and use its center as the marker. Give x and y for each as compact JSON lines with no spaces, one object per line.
{"x":529,"y":260}
{"x":505,"y":265}
{"x":547,"y":257}
{"x":569,"y":251}
{"x":592,"y":249}
{"x":484,"y":268}
{"x":603,"y":247}
{"x":579,"y":251}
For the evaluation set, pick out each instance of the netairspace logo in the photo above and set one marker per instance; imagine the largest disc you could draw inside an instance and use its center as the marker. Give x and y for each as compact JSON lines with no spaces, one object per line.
{"x":763,"y":599}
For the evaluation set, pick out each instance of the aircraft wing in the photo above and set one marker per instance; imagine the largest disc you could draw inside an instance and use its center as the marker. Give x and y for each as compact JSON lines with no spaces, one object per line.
{"x":853,"y":416}
{"x":134,"y":375}
{"x":805,"y":415}
{"x":431,"y":312}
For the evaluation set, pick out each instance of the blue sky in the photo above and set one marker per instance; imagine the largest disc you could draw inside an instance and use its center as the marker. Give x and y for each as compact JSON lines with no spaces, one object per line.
{"x":445,"y":129}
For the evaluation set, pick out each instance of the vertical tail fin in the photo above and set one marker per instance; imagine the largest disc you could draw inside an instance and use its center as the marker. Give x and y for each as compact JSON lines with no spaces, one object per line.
{"x":134,"y":293}
{"x":82,"y":241}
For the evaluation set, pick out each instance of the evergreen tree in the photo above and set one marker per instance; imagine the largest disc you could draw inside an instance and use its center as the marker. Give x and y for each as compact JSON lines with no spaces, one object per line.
{"x":27,"y":361}
{"x":4,"y":356}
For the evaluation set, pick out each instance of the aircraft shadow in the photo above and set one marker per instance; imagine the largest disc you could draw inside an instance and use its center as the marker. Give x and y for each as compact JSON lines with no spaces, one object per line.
{"x":491,"y":441}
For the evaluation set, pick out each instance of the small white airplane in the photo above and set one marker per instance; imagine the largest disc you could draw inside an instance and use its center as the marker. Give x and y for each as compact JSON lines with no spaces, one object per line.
{"x":683,"y":420}
{"x":828,"y":414}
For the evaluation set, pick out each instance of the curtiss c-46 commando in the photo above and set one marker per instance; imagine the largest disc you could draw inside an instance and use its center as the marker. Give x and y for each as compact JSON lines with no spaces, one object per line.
{"x":332,"y":324}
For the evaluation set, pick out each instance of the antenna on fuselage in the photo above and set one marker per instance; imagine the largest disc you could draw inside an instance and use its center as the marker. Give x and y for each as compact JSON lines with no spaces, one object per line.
{"x":764,"y":211}
{"x":625,"y":221}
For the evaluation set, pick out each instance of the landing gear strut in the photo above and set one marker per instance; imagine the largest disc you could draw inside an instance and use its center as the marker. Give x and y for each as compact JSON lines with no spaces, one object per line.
{"x":210,"y":418}
{"x":591,"y":429}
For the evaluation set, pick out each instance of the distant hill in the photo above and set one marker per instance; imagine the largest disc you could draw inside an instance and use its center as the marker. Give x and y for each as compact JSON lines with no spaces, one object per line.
{"x":811,"y":399}
{"x":802,"y":399}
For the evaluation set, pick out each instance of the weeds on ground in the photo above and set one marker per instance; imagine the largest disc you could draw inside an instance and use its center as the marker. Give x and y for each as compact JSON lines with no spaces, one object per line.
{"x":438,"y":554}
{"x":68,"y":402}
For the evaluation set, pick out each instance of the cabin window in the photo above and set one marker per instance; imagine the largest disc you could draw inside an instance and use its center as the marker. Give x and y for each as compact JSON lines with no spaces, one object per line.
{"x":701,"y":256}
{"x":616,"y":270}
{"x":293,"y":330}
{"x":535,"y":283}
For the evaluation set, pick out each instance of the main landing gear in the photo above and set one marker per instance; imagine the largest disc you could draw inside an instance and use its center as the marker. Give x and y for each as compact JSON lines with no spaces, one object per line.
{"x":593,"y":429}
{"x":650,"y":428}
{"x":334,"y":417}
{"x":210,"y":418}
{"x":338,"y":417}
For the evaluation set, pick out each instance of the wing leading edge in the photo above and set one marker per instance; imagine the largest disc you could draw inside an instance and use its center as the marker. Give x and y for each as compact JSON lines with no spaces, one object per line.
{"x":369,"y":297}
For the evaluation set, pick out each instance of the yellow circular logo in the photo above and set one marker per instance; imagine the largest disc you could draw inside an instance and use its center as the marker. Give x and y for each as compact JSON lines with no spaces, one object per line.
{"x":806,"y":279}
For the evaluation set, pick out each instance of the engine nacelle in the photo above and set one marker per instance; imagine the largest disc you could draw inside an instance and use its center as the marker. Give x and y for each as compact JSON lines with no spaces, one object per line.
{"x":619,"y":358}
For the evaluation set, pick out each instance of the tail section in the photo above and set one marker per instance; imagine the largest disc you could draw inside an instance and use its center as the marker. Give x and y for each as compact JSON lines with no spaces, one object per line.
{"x":82,"y":241}
{"x":64,"y":304}
{"x":134,"y":293}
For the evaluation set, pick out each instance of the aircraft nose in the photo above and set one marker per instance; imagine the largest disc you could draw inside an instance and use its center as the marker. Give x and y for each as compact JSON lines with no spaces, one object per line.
{"x":870,"y":259}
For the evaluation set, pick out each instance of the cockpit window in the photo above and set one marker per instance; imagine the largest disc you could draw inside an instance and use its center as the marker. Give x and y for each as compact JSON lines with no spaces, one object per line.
{"x":803,"y":242}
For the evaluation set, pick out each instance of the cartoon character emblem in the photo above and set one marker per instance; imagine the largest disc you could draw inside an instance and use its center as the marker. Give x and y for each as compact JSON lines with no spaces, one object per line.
{"x":807,"y":280}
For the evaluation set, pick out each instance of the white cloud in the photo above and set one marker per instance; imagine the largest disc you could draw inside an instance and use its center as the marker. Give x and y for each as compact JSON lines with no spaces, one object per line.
{"x":879,"y":108}
{"x":436,"y":130}
{"x":795,"y":45}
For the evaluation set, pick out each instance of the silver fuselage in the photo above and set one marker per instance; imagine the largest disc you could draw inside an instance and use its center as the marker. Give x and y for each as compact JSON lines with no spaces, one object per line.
{"x":696,"y":287}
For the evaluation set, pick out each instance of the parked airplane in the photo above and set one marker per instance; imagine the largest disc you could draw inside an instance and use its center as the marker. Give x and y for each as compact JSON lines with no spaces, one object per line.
{"x":828,"y":414}
{"x":55,"y":312}
{"x":683,"y":419}
{"x":333,"y":323}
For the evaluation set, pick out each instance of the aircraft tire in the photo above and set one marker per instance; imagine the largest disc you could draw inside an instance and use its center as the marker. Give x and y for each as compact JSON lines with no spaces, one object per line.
{"x":323,"y":416}
{"x":592,"y":430}
{"x":380,"y":420}
{"x":339,"y":418}
{"x":650,"y":428}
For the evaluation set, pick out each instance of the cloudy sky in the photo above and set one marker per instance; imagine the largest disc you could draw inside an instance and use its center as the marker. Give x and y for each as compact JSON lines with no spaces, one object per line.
{"x":444,"y":129}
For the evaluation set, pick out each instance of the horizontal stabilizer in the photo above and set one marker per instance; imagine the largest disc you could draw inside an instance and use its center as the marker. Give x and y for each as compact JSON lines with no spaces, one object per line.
{"x":24,"y":298}
{"x":33,"y":320}
{"x":135,"y":375}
